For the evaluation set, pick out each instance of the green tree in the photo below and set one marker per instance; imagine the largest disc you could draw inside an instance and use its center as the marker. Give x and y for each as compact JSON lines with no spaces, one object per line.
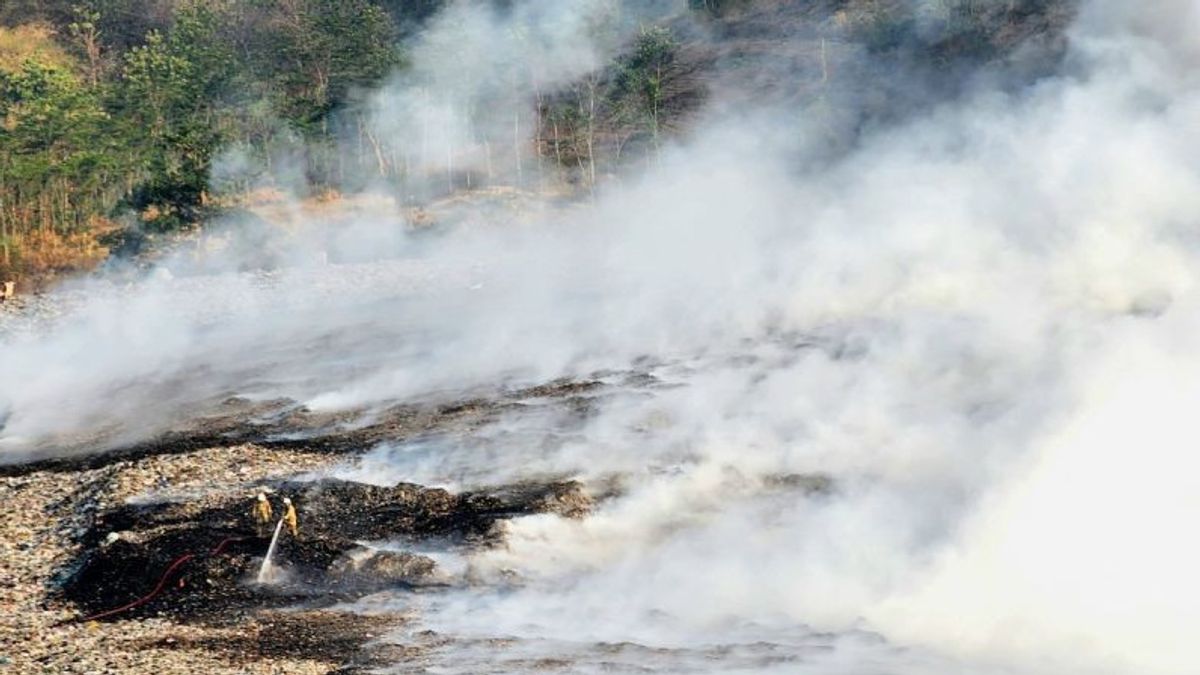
{"x":316,"y":52}
{"x":314,"y":55}
{"x":58,"y":164}
{"x":84,"y":32}
{"x":172,"y":99}
{"x":644,"y":79}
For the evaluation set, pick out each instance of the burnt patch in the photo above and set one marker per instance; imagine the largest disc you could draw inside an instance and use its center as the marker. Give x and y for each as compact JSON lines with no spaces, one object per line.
{"x":285,"y":424}
{"x":198,"y":560}
{"x":332,"y":637}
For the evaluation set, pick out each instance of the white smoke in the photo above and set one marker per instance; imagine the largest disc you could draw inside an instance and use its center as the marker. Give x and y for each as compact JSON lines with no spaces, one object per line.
{"x":1013,"y":444}
{"x":1001,"y":301}
{"x":477,"y":72}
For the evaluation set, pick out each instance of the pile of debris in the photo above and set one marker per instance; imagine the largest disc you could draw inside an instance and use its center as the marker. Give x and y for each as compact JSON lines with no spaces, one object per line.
{"x":194,"y":559}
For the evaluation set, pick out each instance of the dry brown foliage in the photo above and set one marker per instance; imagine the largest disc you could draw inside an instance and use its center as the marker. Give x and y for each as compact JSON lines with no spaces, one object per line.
{"x":38,"y":257}
{"x":30,"y":41}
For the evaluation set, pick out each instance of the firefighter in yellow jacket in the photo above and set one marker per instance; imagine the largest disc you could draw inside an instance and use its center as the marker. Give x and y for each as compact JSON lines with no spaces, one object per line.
{"x":289,"y":516}
{"x":262,"y":514}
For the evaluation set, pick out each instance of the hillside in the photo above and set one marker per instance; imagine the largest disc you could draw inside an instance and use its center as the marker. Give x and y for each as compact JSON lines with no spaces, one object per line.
{"x":129,"y":118}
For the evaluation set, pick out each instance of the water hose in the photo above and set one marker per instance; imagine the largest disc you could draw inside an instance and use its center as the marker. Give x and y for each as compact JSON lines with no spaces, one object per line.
{"x":162,"y":582}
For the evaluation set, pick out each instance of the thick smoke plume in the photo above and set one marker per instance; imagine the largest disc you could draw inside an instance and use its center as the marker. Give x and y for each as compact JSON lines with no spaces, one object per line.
{"x":979,"y":323}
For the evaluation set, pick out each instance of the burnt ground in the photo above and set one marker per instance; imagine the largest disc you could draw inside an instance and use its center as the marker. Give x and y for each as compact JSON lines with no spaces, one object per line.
{"x":179,"y":566}
{"x":284,"y":423}
{"x":203,"y":557}
{"x":195,"y":555}
{"x":329,"y":636}
{"x":128,"y":547}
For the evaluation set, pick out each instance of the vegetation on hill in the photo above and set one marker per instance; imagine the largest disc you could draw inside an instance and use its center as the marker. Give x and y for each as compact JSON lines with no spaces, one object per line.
{"x":95,"y":122}
{"x":113,"y":111}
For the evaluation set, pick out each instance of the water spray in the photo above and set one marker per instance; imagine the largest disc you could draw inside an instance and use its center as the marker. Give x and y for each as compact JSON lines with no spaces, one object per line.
{"x":264,"y":572}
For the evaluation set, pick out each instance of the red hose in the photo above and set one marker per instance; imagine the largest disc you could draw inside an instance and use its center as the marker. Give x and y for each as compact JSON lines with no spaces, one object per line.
{"x":221,"y":546}
{"x":161,"y":582}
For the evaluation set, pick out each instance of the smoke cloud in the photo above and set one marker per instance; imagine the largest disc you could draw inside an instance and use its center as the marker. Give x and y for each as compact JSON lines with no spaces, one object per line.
{"x":979,"y":323}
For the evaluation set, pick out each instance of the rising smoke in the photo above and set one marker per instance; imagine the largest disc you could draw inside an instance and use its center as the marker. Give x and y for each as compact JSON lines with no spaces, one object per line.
{"x":979,"y":322}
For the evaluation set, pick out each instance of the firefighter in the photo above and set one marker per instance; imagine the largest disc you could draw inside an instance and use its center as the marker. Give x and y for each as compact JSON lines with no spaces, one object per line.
{"x":289,"y":516}
{"x":262,"y":514}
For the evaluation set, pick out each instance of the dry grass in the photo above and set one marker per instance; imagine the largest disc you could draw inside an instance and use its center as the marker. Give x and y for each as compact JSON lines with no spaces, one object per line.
{"x":38,"y":257}
{"x":31,"y":41}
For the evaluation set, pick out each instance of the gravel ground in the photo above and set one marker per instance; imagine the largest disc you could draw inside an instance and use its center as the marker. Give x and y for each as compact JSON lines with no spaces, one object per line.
{"x":44,"y":511}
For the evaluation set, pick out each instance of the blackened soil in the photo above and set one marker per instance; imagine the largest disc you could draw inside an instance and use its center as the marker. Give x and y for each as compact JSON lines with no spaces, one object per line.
{"x":283,"y":423}
{"x":333,"y":637}
{"x":203,"y":557}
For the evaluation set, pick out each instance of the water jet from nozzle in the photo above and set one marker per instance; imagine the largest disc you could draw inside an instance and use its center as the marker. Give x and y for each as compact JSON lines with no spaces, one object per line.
{"x":265,"y":574}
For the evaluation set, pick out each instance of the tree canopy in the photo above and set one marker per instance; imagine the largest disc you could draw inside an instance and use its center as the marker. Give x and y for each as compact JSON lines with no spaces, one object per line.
{"x":115,"y":111}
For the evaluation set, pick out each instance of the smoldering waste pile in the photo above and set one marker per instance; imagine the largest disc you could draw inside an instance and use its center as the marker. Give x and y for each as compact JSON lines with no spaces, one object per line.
{"x":147,"y":556}
{"x":128,"y":547}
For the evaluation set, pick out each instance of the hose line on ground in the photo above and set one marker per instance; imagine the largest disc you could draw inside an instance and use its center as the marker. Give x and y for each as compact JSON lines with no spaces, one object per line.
{"x":162,"y":582}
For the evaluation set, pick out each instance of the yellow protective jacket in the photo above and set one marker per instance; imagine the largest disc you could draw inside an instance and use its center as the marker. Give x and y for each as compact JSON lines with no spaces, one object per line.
{"x":289,"y":517}
{"x":262,"y":511}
